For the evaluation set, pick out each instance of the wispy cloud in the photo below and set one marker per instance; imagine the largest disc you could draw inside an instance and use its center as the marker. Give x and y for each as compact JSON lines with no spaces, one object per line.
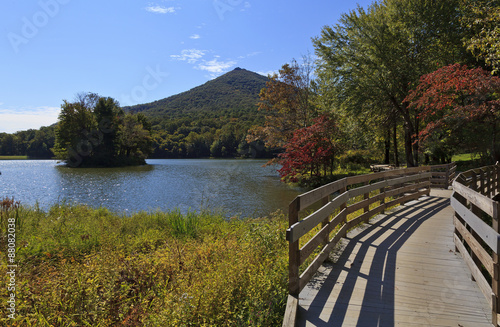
{"x":14,"y":120}
{"x":192,"y":56}
{"x":269,"y":72}
{"x":195,"y":36}
{"x":255,"y":53}
{"x":215,"y":66}
{"x":252,"y":54}
{"x":161,"y":10}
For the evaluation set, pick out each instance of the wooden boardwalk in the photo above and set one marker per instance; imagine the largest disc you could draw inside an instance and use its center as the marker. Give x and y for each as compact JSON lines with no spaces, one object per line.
{"x":401,"y":270}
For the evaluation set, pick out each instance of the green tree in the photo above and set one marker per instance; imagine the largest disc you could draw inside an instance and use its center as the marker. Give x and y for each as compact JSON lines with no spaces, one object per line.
{"x":368,"y":61}
{"x":107,"y":113}
{"x":134,"y":140}
{"x":482,"y":19}
{"x":74,"y":137}
{"x":42,"y":143}
{"x":92,"y":131}
{"x":287,"y":103}
{"x":8,"y":144}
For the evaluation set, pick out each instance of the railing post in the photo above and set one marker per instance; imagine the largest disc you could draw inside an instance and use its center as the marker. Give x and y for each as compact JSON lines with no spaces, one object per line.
{"x":430,"y":182}
{"x":488,"y":182}
{"x":473,"y":185}
{"x":447,"y":178}
{"x":293,"y":250}
{"x":481,"y":181}
{"x":494,"y":185}
{"x":382,"y":200}
{"x":495,"y":284}
{"x":477,"y":212}
{"x":497,"y":170}
{"x":462,"y":200}
{"x":366,"y":196}
{"x":325,"y":222}
{"x":343,"y":205}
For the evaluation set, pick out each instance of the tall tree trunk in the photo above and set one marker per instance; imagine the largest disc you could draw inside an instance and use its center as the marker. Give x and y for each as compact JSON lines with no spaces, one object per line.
{"x":388,"y":147}
{"x":415,"y":142}
{"x":331,"y":164}
{"x":409,"y":145}
{"x":409,"y":130}
{"x":415,"y":151}
{"x":395,"y":136}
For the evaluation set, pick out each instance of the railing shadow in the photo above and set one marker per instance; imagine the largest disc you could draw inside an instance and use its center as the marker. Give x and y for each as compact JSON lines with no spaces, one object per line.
{"x":377,"y":307}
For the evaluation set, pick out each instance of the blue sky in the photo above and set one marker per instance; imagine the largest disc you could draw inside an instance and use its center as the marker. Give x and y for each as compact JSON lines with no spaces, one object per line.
{"x":141,"y":51}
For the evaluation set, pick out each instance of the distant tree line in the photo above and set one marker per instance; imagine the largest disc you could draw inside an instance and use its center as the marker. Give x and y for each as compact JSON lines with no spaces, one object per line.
{"x":221,"y":137}
{"x":32,"y":143}
{"x":196,"y":135}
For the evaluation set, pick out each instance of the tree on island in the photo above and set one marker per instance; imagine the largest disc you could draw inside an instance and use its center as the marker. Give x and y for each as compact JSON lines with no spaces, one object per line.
{"x":93,"y":131}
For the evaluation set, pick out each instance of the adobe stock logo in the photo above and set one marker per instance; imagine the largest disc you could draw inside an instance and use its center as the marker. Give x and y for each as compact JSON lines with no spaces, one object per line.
{"x":30,"y":27}
{"x":151,"y":80}
{"x":223,"y":6}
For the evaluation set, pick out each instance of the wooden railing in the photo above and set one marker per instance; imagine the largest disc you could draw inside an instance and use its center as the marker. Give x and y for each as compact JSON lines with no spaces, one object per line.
{"x":477,"y":230}
{"x":443,"y":175}
{"x":371,"y":194}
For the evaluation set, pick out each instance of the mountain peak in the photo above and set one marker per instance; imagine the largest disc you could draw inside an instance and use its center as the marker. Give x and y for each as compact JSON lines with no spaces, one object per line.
{"x":236,"y":91}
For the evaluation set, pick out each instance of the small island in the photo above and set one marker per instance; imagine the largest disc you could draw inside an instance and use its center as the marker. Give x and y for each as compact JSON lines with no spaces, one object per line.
{"x":93,"y":131}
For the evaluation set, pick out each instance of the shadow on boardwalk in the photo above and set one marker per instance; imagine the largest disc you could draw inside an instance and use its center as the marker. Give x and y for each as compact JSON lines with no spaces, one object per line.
{"x":401,"y":270}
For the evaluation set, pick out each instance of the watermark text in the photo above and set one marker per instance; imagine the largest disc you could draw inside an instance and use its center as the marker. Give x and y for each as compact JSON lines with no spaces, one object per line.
{"x":32,"y":25}
{"x":11,"y":268}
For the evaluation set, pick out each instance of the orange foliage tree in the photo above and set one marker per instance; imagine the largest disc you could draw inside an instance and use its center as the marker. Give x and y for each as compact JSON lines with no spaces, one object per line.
{"x":286,"y":102}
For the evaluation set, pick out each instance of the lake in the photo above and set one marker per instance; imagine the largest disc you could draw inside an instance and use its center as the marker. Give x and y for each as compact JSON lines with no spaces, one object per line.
{"x":238,"y":187}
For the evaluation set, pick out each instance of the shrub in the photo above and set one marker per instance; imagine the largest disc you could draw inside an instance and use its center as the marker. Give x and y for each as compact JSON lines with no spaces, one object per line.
{"x":89,"y":267}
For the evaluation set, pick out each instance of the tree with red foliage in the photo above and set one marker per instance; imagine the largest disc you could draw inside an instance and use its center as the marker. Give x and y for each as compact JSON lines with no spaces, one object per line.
{"x":460,"y":104}
{"x":310,"y":151}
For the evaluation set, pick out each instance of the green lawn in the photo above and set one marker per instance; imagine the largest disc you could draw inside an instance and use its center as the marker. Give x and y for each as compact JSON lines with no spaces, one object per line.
{"x":462,"y":157}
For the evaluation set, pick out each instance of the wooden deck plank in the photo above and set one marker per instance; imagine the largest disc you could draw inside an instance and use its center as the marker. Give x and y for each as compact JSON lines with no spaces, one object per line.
{"x":400,"y":271}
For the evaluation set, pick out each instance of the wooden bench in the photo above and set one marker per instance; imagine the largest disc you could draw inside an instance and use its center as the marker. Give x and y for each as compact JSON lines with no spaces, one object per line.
{"x":379,"y":168}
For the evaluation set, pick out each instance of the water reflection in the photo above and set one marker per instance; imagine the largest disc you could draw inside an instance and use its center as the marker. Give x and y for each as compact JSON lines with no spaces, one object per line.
{"x":239,"y":187}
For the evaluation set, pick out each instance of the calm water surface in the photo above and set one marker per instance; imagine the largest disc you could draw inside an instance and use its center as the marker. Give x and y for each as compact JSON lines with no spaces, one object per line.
{"x":239,"y":187}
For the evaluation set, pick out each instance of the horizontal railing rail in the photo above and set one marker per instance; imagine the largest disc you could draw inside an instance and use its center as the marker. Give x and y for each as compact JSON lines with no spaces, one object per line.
{"x":476,"y":234}
{"x":367,"y":195}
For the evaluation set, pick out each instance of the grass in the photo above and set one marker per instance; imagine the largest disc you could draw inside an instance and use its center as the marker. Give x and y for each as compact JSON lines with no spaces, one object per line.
{"x":470,"y":161}
{"x":13,"y":157}
{"x":80,"y":266}
{"x":463,"y":157}
{"x":305,"y":180}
